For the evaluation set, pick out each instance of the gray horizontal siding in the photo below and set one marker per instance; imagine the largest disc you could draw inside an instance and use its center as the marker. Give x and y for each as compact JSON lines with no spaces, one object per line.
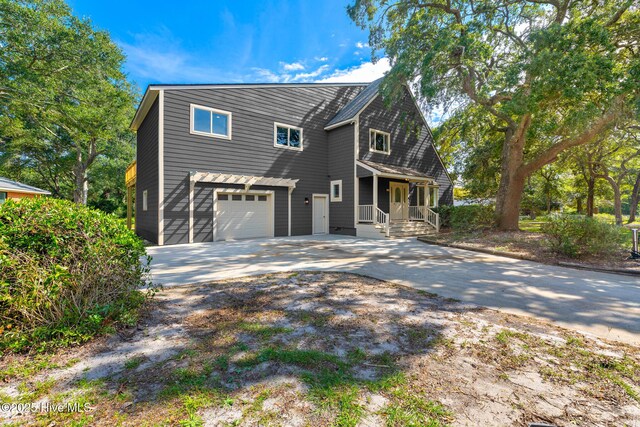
{"x":411,"y":140}
{"x":341,"y":167}
{"x":147,"y":176}
{"x":251,"y":150}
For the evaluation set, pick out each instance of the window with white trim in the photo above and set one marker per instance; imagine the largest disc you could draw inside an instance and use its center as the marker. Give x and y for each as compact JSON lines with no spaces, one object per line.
{"x":379,"y":142}
{"x":210,"y":122}
{"x":336,"y":190}
{"x":144,"y":200}
{"x":286,"y":136}
{"x":433,"y":197}
{"x":3,"y":197}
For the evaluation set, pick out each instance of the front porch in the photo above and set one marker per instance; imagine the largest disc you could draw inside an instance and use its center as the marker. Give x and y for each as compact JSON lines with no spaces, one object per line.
{"x":395,"y":201}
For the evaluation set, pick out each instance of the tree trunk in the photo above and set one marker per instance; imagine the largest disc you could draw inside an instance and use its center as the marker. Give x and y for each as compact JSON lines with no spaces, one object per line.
{"x":617,"y":199}
{"x":579,"y":205}
{"x":635,"y":198}
{"x":512,"y":178}
{"x":591,"y":185}
{"x":81,"y":183}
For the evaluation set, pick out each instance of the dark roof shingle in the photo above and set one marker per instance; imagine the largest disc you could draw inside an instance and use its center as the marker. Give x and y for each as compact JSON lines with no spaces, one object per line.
{"x":354,"y":106}
{"x":9,"y":185}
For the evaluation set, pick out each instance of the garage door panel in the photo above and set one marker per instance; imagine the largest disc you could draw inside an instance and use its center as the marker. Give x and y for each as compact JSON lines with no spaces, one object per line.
{"x":244,"y":218}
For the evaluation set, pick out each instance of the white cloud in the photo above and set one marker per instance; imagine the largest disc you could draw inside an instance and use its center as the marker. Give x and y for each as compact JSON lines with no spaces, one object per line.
{"x":321,"y":58}
{"x":361,"y":45}
{"x":294,"y":66}
{"x":365,"y":72}
{"x":311,"y":75}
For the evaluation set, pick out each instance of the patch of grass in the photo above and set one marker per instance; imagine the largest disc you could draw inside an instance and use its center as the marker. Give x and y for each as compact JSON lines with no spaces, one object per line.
{"x":264,"y":332}
{"x":312,"y":318}
{"x":411,"y":409}
{"x":133,"y":363}
{"x":302,"y":358}
{"x":32,"y":392}
{"x":356,"y":355}
{"x":26,"y":368}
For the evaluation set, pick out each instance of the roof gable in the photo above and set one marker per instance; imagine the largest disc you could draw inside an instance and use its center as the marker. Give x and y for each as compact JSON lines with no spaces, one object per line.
{"x":356,"y":105}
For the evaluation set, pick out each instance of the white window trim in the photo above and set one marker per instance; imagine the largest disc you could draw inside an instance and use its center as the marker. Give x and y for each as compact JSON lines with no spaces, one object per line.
{"x":144,"y":200}
{"x":211,"y":110}
{"x":334,"y":198}
{"x":275,"y":136}
{"x":433,"y":202}
{"x":371,"y":146}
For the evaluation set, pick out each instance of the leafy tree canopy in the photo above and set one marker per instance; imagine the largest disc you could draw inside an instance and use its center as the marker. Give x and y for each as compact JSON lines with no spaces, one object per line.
{"x":549,"y":75}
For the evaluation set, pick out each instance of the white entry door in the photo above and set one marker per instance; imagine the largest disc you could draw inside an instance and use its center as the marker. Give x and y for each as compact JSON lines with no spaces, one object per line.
{"x":399,"y":200}
{"x":320,"y":214}
{"x":243,"y":216}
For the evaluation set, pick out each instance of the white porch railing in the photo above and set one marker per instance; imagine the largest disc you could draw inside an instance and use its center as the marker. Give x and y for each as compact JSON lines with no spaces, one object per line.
{"x":373,"y":215}
{"x":365,"y":213}
{"x":417,"y":213}
{"x":383,"y":219}
{"x":432,"y":218}
{"x":423,"y":213}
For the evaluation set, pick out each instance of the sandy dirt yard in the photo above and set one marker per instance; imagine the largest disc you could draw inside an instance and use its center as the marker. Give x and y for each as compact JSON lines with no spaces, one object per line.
{"x":325,"y":349}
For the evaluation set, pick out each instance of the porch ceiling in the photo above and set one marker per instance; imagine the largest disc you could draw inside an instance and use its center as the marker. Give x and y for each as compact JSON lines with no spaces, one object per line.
{"x":392,"y":171}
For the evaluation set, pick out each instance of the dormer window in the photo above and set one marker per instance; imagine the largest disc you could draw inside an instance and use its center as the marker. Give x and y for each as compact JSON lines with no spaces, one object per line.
{"x":379,"y":142}
{"x":210,"y":122}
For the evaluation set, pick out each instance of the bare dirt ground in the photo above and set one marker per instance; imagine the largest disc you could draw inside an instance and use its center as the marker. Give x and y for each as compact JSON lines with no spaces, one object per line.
{"x":531,"y":245}
{"x":320,"y":349}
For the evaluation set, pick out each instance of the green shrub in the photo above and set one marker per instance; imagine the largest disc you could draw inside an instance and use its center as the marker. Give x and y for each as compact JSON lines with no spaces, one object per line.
{"x":466,"y":218}
{"x":578,"y":236}
{"x":67,"y":273}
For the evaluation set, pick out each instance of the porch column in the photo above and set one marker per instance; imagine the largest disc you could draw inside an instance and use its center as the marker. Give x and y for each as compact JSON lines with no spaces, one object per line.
{"x":191,"y":206}
{"x":375,"y":198}
{"x":425,"y":202}
{"x":129,"y":207}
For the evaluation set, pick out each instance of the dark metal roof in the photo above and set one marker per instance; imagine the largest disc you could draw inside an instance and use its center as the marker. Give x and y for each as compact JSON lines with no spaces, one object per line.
{"x":356,"y":105}
{"x":394,"y":170}
{"x":9,"y":185}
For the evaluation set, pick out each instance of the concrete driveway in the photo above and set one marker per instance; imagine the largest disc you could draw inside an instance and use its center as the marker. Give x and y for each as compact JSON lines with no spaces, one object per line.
{"x":605,"y":305}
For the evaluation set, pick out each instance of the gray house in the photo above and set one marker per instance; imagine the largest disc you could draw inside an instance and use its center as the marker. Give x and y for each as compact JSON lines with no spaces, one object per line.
{"x":226,"y":161}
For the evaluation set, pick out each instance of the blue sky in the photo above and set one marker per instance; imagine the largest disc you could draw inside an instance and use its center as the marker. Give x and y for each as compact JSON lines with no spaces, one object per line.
{"x":224,"y":41}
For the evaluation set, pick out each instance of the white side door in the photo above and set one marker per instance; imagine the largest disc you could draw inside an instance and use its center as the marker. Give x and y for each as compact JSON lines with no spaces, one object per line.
{"x":320,"y":214}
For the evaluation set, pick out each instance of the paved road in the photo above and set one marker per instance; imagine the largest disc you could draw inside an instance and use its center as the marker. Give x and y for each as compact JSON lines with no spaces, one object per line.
{"x":605,"y":305}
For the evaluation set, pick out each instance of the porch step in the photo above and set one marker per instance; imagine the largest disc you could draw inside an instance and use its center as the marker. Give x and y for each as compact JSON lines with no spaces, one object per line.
{"x":400,"y":229}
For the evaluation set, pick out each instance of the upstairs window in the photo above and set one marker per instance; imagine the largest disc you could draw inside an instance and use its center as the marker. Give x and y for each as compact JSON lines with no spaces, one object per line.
{"x":286,"y":136}
{"x":210,"y":122}
{"x":379,"y":142}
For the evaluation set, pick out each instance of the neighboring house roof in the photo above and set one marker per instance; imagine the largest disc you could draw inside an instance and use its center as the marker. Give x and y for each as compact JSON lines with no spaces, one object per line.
{"x":392,"y":169}
{"x":152,"y":91}
{"x":18,"y":187}
{"x":356,"y":105}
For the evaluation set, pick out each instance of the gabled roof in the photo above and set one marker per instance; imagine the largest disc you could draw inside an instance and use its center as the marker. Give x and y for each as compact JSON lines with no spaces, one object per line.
{"x":18,"y":187}
{"x":152,"y":91}
{"x":356,"y":105}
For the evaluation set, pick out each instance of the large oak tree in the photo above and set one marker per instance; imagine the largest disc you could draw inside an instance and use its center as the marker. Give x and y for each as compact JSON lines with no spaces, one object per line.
{"x":64,"y":100}
{"x":551,"y":74}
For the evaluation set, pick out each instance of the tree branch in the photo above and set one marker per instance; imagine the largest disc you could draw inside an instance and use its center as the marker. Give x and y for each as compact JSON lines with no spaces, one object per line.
{"x":598,"y":126}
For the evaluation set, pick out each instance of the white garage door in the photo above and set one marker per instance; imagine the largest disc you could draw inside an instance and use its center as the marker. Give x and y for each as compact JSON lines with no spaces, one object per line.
{"x":243,"y":216}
